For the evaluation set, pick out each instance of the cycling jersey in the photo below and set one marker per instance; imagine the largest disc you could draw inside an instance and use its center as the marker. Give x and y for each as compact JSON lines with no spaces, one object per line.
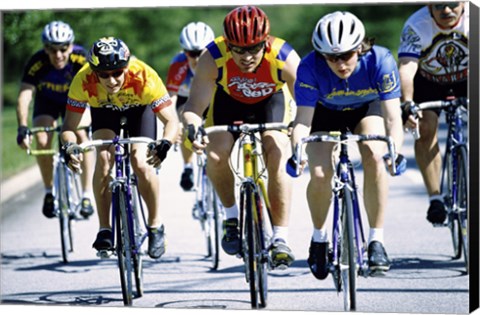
{"x":142,"y":87}
{"x":250,"y":88}
{"x":52,"y":84}
{"x":179,"y":76}
{"x":442,"y":54}
{"x":375,"y":77}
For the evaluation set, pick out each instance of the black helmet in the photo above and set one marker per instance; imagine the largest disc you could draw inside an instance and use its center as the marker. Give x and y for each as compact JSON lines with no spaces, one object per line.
{"x":108,"y":53}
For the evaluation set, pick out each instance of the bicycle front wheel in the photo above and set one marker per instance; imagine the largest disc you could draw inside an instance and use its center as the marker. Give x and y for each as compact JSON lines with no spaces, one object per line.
{"x":61,"y":195}
{"x":461,"y":207}
{"x":348,"y":265}
{"x":123,"y":248}
{"x":139,"y":237}
{"x":212,"y":225}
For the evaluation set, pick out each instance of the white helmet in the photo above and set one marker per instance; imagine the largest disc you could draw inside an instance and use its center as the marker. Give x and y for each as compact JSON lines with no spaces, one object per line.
{"x":57,"y":32}
{"x":196,"y":36}
{"x":338,"y":32}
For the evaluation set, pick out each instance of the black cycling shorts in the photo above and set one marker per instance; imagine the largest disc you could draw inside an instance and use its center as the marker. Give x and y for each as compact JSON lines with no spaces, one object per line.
{"x":325,"y":119}
{"x":226,"y":110}
{"x":141,"y":121}
{"x":44,"y":106}
{"x":425,"y":90}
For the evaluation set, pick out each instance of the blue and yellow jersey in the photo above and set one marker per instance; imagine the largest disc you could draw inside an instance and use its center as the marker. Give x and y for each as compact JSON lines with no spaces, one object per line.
{"x":250,"y":88}
{"x":142,"y":87}
{"x":179,"y":76}
{"x":375,"y":77}
{"x":52,"y":84}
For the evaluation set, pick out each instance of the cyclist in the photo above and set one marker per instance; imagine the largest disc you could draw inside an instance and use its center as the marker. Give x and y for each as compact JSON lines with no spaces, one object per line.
{"x":433,"y":60}
{"x":116,"y":86}
{"x":194,"y":38}
{"x":46,"y":79}
{"x":246,"y":75}
{"x":346,"y":83}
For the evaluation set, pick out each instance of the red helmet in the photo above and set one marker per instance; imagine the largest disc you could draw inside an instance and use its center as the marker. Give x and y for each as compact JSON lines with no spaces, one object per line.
{"x":246,"y":26}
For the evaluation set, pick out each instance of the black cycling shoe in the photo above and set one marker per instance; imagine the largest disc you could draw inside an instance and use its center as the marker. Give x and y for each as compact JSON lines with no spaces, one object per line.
{"x":103,"y":240}
{"x":436,"y":213}
{"x":377,"y":257}
{"x":86,"y":209}
{"x":156,"y":242}
{"x":282,"y":256}
{"x":48,"y":209}
{"x":186,"y":181}
{"x":318,"y":259}
{"x":231,"y":237}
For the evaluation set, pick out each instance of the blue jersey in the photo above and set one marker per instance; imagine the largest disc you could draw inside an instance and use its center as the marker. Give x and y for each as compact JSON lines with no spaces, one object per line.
{"x":375,"y":77}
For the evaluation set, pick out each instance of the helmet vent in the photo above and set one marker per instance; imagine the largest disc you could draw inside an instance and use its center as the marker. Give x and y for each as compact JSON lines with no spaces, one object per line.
{"x":340,"y":32}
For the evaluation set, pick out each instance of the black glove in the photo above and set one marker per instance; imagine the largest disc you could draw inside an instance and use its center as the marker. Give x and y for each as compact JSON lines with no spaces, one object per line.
{"x":22,"y":133}
{"x":162,"y":149}
{"x":192,"y":134}
{"x":406,"y":110}
{"x":64,"y":154}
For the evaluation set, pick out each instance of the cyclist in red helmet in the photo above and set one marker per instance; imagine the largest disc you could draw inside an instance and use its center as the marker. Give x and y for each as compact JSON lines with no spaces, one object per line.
{"x":246,"y":75}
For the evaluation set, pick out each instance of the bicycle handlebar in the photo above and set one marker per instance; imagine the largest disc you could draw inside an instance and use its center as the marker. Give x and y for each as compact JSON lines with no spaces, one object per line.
{"x":49,"y":129}
{"x":339,"y":137}
{"x":84,"y":146}
{"x":247,"y":128}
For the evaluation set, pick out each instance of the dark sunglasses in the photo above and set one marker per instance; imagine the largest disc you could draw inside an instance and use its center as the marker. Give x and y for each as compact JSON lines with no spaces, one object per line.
{"x":344,"y":56}
{"x":442,"y":6}
{"x":252,"y":50}
{"x":108,"y":74}
{"x":55,"y":49}
{"x":193,"y":53}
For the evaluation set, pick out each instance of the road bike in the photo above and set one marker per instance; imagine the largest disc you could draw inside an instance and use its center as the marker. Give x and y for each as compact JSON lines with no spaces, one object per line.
{"x":208,"y":210}
{"x":454,"y":178}
{"x":255,"y":218}
{"x":348,"y":256}
{"x":67,"y":191}
{"x":129,"y":224}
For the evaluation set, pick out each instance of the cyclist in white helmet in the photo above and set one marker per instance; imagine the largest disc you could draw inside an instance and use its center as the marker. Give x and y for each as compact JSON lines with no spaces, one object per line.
{"x":46,"y":79}
{"x":194,"y":38}
{"x":347,"y":83}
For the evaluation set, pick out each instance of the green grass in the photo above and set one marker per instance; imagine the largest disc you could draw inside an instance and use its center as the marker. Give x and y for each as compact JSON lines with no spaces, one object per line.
{"x":13,"y":158}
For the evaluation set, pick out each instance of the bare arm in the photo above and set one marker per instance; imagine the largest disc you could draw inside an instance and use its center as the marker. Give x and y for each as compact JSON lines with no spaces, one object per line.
{"x":25,"y":97}
{"x":168,"y":116}
{"x":407,"y":69}
{"x":302,"y":124}
{"x":393,"y":121}
{"x":70,"y":125}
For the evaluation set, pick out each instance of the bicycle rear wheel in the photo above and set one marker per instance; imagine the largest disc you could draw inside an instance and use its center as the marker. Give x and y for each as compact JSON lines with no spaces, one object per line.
{"x":348,"y":266}
{"x":123,"y":248}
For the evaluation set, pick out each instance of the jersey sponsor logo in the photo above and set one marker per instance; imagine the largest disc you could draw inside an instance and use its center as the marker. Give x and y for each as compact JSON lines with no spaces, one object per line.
{"x":34,"y":68}
{"x":389,"y":82}
{"x":307,"y":86}
{"x":251,"y":88}
{"x":49,"y":86}
{"x":410,"y":41}
{"x":357,"y":93}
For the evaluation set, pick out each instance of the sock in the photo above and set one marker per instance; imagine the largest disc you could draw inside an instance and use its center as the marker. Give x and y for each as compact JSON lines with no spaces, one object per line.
{"x":48,"y":190}
{"x":376,"y":234}
{"x":104,"y":229}
{"x":280,"y":232}
{"x":187,"y":165}
{"x":320,"y":236}
{"x":88,"y":194}
{"x":436,"y":197}
{"x":231,"y":212}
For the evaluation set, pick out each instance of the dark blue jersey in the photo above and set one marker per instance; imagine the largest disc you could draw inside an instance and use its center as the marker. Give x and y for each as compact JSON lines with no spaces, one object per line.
{"x":375,"y":77}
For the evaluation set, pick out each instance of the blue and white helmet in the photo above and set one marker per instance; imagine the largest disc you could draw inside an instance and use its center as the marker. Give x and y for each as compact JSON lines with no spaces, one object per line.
{"x":338,"y":32}
{"x":196,"y":36}
{"x":57,"y":33}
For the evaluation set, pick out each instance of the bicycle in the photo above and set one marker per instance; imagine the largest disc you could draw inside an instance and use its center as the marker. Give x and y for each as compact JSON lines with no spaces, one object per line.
{"x":454,"y":178}
{"x":129,"y":224}
{"x":67,"y":191}
{"x":348,"y":255}
{"x":208,"y":210}
{"x":255,"y":220}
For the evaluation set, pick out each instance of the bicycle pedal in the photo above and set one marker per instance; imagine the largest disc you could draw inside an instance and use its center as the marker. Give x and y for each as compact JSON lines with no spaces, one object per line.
{"x":104,"y":253}
{"x":281,"y":266}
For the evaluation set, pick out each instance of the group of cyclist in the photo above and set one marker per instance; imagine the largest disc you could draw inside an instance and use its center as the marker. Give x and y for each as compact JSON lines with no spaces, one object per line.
{"x":345,"y":83}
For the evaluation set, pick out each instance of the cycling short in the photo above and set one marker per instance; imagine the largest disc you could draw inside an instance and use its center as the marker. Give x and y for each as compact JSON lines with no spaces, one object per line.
{"x":226,"y":110}
{"x":141,"y":121}
{"x":180,"y":101}
{"x":325,"y":119}
{"x":44,"y":106}
{"x":426,"y":90}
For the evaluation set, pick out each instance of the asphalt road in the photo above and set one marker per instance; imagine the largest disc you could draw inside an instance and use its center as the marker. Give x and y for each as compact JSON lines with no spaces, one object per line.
{"x":423,"y":277}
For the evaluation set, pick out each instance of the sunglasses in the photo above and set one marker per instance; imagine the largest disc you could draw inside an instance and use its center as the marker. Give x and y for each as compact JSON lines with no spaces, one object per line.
{"x":441,"y":7}
{"x":193,"y":53}
{"x":344,"y":56}
{"x":55,"y":49}
{"x":252,"y":50}
{"x":108,"y":74}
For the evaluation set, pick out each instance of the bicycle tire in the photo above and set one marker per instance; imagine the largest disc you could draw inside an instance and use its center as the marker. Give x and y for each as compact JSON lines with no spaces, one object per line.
{"x":262,"y":251}
{"x":123,"y":247}
{"x":213,"y":226}
{"x":63,"y":210}
{"x":348,"y":259}
{"x":138,"y":233}
{"x":462,"y":201}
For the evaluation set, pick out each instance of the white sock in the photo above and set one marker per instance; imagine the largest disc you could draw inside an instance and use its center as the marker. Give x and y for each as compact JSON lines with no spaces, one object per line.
{"x":187,"y":165}
{"x":232,"y":212}
{"x":376,"y":234}
{"x":48,"y":190}
{"x":104,"y":229}
{"x":436,"y":197}
{"x":88,"y":194}
{"x":280,"y":232}
{"x":320,"y":236}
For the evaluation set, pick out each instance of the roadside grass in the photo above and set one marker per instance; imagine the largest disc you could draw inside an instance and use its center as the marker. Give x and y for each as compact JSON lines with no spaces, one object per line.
{"x":13,"y":158}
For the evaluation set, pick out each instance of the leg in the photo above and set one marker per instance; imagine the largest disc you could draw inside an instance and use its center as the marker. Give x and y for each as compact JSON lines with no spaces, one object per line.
{"x":88,"y":166}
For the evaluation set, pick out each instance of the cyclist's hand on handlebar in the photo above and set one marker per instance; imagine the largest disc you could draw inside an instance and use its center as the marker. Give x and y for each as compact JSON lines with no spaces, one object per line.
{"x":72,"y":156}
{"x":23,"y":137}
{"x":158,"y":152}
{"x":195,"y":140}
{"x":409,"y":115}
{"x":293,"y":165}
{"x":400,"y":164}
